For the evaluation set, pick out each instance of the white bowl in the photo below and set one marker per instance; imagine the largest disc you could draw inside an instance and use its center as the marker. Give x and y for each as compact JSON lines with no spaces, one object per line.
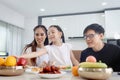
{"x":95,"y":73}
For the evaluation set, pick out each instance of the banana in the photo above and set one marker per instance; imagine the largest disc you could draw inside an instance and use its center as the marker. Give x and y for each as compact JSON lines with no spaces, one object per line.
{"x":93,"y":65}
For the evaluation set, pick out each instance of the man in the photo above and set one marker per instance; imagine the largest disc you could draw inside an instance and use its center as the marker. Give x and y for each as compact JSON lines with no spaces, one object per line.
{"x":107,"y":53}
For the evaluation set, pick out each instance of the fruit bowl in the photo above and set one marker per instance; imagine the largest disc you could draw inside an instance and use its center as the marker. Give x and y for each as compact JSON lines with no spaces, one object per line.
{"x":95,"y":73}
{"x":11,"y":71}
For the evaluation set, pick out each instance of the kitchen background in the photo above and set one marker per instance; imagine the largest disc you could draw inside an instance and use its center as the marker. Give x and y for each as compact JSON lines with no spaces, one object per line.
{"x":16,"y":28}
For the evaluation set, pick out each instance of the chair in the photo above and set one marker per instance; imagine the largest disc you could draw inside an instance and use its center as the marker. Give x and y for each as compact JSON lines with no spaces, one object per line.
{"x":77,"y":54}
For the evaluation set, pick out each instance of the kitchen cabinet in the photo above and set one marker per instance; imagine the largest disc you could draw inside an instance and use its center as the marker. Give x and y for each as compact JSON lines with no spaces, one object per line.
{"x":73,"y":25}
{"x":112,"y":18}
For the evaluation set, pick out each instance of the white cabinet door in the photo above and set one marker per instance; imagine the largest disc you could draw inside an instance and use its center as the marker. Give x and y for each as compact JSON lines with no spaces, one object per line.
{"x":73,"y":25}
{"x":112,"y":21}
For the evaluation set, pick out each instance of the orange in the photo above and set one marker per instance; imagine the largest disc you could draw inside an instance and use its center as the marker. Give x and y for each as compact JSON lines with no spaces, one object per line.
{"x":75,"y":70}
{"x":2,"y":61}
{"x":10,"y":61}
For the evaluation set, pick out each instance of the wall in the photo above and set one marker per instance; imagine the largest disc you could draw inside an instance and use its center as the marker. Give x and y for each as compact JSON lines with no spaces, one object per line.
{"x":27,"y":23}
{"x":30,"y":23}
{"x":11,"y":16}
{"x":77,"y":44}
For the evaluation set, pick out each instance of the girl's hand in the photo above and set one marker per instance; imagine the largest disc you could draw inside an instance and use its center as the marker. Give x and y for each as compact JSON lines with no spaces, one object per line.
{"x":17,"y":57}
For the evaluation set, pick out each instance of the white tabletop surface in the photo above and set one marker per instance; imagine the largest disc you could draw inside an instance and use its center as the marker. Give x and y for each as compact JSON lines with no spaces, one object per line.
{"x":67,"y":76}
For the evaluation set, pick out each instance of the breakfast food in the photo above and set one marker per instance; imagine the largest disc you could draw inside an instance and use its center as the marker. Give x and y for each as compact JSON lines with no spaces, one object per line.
{"x":90,"y":59}
{"x":8,"y":67}
{"x":10,"y":61}
{"x":37,"y":69}
{"x":50,"y":69}
{"x":65,"y":67}
{"x":2,"y":61}
{"x":94,"y":70}
{"x":21,"y":62}
{"x":75,"y":70}
{"x":91,"y":63}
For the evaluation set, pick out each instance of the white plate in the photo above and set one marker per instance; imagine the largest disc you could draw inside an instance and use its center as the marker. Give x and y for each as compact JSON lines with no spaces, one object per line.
{"x":66,"y":70}
{"x":52,"y":76}
{"x":29,"y":70}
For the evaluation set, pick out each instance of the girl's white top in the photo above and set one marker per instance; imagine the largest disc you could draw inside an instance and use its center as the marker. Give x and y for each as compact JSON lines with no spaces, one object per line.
{"x":60,"y":54}
{"x":40,"y":59}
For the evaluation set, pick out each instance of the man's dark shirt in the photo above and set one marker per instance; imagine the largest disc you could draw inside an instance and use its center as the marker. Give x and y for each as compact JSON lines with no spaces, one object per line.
{"x":110,"y":54}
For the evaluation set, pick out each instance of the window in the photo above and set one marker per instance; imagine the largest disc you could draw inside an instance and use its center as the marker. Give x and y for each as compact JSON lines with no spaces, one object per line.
{"x":2,"y":39}
{"x":10,"y":39}
{"x":3,"y":53}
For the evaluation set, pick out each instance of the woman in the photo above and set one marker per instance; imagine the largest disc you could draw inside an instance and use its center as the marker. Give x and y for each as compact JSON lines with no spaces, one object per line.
{"x":58,"y":50}
{"x":40,"y":40}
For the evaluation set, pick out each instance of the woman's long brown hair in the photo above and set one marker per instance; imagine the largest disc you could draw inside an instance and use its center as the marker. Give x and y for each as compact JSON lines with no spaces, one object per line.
{"x":33,"y":44}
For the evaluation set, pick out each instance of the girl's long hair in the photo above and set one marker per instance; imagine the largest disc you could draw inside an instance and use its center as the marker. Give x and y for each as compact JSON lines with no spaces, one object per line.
{"x":33,"y":44}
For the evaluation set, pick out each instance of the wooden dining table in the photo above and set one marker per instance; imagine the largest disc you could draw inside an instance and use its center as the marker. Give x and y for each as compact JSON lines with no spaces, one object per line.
{"x":66,"y":76}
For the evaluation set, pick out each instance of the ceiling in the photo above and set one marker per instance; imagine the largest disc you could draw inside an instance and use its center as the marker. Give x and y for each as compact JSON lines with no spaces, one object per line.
{"x":54,"y":7}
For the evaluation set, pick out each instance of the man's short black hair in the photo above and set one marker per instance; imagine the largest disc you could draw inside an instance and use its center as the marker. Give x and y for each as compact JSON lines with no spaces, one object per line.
{"x":96,"y":27}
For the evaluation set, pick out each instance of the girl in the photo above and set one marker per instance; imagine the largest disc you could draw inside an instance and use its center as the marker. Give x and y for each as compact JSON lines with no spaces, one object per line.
{"x":58,"y":50}
{"x":40,"y":40}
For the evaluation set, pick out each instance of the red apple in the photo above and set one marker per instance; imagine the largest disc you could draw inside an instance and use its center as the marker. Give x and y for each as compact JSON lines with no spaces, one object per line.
{"x":21,"y":62}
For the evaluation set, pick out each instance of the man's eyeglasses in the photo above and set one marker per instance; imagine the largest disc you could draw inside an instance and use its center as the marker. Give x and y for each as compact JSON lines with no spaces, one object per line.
{"x":90,"y":36}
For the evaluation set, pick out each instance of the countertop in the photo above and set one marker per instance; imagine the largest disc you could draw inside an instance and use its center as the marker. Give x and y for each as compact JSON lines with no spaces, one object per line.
{"x":67,"y":76}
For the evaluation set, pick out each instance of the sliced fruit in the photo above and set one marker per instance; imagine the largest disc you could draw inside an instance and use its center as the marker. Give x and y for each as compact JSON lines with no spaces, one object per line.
{"x":93,"y":65}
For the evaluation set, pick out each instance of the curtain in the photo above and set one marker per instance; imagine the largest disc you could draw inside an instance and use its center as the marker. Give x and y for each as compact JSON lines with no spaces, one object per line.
{"x":2,"y":36}
{"x":13,"y":39}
